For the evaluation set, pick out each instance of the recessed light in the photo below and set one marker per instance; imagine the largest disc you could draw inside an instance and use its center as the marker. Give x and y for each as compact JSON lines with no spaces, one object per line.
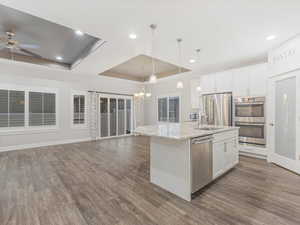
{"x":192,"y":60}
{"x":79,"y":32}
{"x":133,"y":36}
{"x":59,"y":58}
{"x":271,"y":37}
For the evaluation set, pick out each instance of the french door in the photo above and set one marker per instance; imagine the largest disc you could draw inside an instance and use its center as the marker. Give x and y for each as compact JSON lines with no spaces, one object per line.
{"x":115,"y":115}
{"x":284,"y":121}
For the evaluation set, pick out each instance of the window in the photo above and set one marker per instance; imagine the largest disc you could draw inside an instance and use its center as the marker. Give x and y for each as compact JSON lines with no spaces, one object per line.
{"x":25,"y":108}
{"x":42,"y":110}
{"x":79,"y":109}
{"x":168,"y":109}
{"x":12,"y":108}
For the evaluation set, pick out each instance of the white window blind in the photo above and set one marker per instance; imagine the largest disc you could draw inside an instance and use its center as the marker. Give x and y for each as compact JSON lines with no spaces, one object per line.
{"x":12,"y":108}
{"x":168,"y":109}
{"x":79,"y":109}
{"x":42,"y":109}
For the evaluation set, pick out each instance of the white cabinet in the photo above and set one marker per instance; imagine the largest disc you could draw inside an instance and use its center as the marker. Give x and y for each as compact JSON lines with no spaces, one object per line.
{"x":250,"y":81}
{"x":208,"y":84}
{"x":225,"y":152}
{"x":224,"y":81}
{"x":258,"y":80}
{"x":218,"y":159}
{"x":240,"y":83}
{"x":231,"y":153}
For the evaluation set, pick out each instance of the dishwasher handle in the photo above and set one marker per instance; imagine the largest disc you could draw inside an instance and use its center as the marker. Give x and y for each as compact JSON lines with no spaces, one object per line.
{"x":196,"y":141}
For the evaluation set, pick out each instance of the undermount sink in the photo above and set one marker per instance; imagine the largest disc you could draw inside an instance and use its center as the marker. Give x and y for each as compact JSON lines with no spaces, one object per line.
{"x":208,"y":128}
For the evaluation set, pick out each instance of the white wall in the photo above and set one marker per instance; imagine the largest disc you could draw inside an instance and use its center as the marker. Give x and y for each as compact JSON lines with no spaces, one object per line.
{"x":37,"y":76}
{"x":246,"y":81}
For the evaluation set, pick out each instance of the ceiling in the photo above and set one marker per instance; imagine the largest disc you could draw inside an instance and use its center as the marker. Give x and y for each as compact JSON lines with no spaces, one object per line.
{"x":230,"y":33}
{"x":139,"y":68}
{"x":46,"y":39}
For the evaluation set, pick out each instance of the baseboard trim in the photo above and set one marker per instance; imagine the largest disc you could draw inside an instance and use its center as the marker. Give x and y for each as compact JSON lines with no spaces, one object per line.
{"x":253,"y":155}
{"x":42,"y":144}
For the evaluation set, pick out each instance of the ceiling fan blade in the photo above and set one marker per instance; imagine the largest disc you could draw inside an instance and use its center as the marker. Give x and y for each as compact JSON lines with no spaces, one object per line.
{"x":29,"y":52}
{"x":3,"y":39}
{"x":32,"y":46}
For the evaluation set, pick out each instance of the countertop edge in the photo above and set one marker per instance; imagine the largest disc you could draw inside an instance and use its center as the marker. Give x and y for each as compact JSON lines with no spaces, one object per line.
{"x":187,"y":137}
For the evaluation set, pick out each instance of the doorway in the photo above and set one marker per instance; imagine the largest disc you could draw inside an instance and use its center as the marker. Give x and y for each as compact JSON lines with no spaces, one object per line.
{"x":284,"y":122}
{"x":115,"y":115}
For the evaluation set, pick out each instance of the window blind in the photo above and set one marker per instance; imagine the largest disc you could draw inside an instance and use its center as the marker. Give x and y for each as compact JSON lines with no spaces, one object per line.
{"x":79,"y":109}
{"x":12,"y":108}
{"x":168,"y":109}
{"x":42,"y":109}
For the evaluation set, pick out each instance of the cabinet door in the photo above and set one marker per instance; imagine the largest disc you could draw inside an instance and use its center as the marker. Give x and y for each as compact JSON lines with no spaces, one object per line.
{"x":195,"y":94}
{"x":258,"y":80}
{"x":231,"y":154}
{"x":241,"y":82}
{"x":208,"y":84}
{"x":218,"y":159}
{"x":224,"y":82}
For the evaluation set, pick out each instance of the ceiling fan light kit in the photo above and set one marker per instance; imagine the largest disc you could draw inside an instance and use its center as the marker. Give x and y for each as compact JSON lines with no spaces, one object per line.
{"x":13,"y":45}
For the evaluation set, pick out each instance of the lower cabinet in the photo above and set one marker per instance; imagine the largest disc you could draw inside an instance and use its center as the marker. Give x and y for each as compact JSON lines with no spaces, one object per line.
{"x":225,"y":156}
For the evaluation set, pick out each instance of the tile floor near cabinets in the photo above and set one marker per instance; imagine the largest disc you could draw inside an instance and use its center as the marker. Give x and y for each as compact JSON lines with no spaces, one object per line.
{"x":107,"y":182}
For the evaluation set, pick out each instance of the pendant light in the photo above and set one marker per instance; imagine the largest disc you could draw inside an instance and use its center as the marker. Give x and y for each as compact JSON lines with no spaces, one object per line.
{"x":153,"y":77}
{"x":142,"y":94}
{"x":179,"y":83}
{"x":199,"y":89}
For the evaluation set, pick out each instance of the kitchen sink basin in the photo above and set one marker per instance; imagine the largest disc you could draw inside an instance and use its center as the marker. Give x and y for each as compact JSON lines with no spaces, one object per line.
{"x":208,"y":128}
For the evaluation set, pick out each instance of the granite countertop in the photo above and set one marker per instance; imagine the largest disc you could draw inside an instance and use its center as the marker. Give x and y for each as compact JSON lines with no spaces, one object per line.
{"x":179,"y":131}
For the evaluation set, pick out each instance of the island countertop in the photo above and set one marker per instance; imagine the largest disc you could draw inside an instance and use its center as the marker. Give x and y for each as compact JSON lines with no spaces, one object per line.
{"x":180,"y":131}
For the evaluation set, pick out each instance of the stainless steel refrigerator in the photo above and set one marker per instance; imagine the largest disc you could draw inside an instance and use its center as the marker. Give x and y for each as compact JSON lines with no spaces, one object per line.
{"x":218,"y":108}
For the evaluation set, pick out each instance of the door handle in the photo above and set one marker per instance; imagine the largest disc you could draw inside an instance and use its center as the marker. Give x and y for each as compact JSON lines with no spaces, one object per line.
{"x":271,"y":124}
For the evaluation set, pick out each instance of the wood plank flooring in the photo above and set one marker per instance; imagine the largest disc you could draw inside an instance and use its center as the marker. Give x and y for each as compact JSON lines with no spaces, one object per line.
{"x":107,"y":183}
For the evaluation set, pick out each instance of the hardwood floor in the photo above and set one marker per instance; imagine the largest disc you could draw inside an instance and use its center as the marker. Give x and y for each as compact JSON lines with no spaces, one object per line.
{"x":107,"y":182}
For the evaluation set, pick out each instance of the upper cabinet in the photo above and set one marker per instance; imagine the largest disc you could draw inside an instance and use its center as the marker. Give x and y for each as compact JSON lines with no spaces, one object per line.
{"x":250,"y":81}
{"x":246,"y":81}
{"x":241,"y":82}
{"x":208,"y":84}
{"x":259,"y":80}
{"x":224,"y":81}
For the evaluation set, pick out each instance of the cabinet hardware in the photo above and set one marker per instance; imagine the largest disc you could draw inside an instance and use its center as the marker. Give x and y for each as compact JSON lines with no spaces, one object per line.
{"x":271,"y":124}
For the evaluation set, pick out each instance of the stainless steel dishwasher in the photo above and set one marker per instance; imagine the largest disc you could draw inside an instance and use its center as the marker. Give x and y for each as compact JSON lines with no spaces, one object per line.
{"x":201,"y":162}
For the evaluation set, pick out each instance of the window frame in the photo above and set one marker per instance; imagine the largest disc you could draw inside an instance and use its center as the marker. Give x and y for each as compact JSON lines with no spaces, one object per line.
{"x":85,"y":94}
{"x":26,"y":127}
{"x":168,"y":96}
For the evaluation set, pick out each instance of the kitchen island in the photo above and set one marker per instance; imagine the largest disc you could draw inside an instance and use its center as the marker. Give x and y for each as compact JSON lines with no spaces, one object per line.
{"x":184,"y":157}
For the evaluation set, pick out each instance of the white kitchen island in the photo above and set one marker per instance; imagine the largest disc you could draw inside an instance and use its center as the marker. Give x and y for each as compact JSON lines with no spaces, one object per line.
{"x":172,"y":157}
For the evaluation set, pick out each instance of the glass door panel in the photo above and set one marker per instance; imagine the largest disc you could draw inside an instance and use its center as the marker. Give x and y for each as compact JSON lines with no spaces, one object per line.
{"x":163,"y":109}
{"x":121,"y":116}
{"x":103,"y":117}
{"x":174,"y":109}
{"x":128,"y":116}
{"x":285,"y":117}
{"x":113,"y":116}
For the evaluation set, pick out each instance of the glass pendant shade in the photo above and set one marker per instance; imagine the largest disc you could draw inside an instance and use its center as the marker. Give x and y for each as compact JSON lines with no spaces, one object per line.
{"x":153,"y":79}
{"x":179,"y":84}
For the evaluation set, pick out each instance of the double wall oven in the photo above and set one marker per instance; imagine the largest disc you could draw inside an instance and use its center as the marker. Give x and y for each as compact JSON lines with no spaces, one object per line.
{"x":250,"y":117}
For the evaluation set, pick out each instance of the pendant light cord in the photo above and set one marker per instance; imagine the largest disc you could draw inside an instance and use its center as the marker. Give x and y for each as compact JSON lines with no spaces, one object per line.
{"x":152,"y":49}
{"x":179,"y":40}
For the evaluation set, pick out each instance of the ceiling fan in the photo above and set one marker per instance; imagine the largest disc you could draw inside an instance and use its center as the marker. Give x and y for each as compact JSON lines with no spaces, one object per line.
{"x":8,"y":42}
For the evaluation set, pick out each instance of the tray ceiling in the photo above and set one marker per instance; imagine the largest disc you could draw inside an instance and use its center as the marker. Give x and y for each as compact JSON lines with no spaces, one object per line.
{"x":44,"y":38}
{"x":139,"y":68}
